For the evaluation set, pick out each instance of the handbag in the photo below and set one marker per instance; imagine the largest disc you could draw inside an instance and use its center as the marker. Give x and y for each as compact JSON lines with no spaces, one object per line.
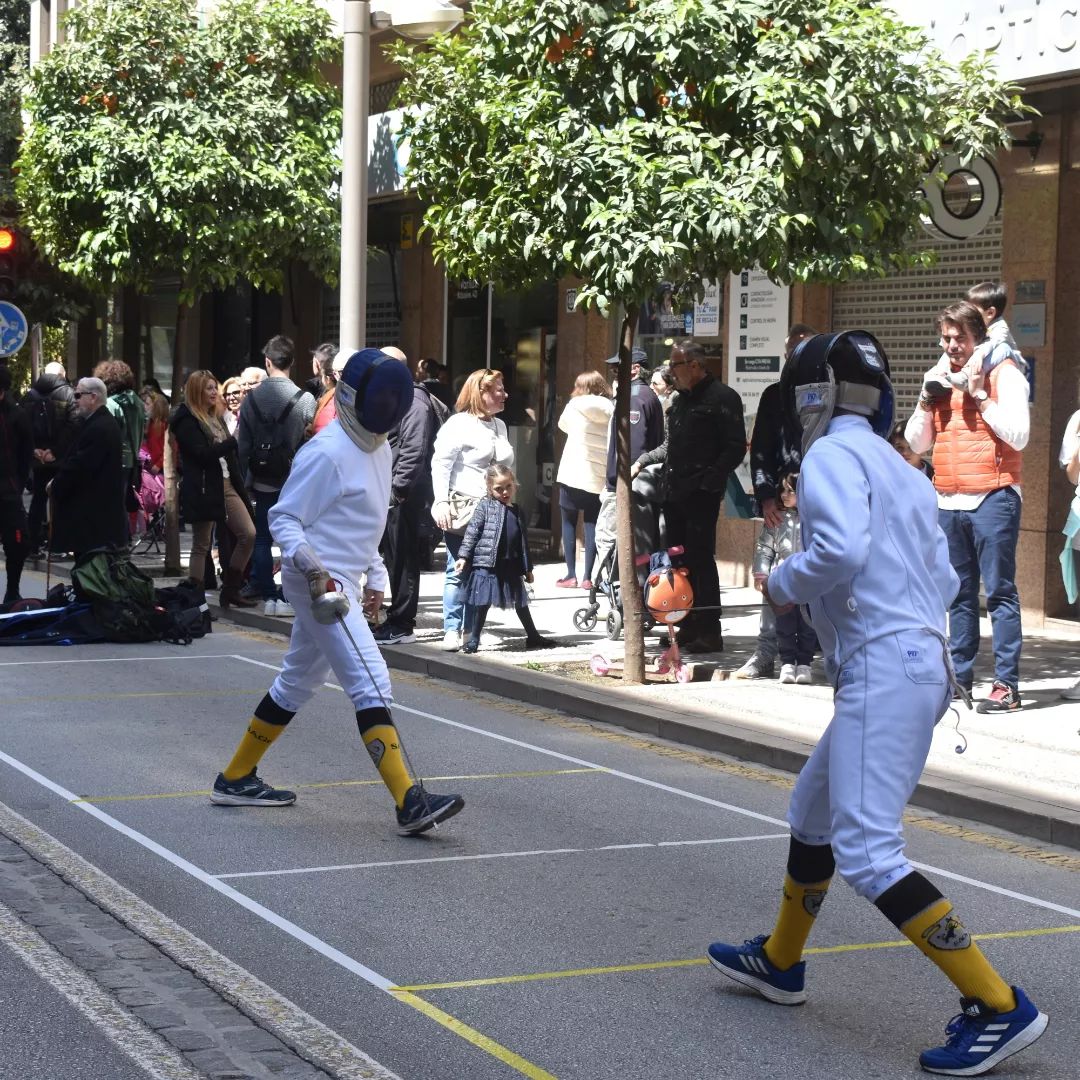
{"x":462,"y":508}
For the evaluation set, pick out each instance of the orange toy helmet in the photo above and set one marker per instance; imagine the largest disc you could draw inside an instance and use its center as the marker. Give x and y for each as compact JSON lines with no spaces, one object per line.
{"x":668,"y":594}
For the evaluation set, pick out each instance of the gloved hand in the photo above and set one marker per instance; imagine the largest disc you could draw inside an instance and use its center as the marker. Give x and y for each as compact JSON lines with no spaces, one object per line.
{"x":327,"y":604}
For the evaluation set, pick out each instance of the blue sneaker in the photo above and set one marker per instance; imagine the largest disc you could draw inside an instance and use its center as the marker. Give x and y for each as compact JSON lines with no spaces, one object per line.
{"x":978,"y":1039}
{"x":423,"y":809}
{"x":748,"y":964}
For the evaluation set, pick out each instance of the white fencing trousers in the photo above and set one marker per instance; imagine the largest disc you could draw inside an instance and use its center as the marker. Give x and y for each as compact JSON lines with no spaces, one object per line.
{"x":853,"y":789}
{"x":315,"y":650}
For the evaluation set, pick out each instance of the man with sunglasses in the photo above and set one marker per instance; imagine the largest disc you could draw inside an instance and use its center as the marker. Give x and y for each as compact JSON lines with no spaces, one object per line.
{"x":88,"y":503}
{"x":706,"y":439}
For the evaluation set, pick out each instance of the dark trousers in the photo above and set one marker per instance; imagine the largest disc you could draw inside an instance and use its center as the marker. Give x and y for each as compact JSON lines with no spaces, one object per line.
{"x":401,"y":552}
{"x":16,"y":547}
{"x":262,"y":559}
{"x":39,"y":504}
{"x":692,"y":524}
{"x":795,"y":637}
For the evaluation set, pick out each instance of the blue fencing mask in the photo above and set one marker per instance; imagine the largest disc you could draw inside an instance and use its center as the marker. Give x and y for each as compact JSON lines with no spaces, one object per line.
{"x":373,"y":394}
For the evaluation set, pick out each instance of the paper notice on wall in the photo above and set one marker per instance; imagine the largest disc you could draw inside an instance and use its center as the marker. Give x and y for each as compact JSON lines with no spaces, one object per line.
{"x":757,"y":330}
{"x":707,"y":311}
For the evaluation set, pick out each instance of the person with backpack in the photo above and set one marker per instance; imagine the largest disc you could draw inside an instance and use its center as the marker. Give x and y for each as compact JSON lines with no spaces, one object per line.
{"x":273,"y":419}
{"x":212,"y":489}
{"x":412,"y":442}
{"x":51,"y":408}
{"x":16,"y":454}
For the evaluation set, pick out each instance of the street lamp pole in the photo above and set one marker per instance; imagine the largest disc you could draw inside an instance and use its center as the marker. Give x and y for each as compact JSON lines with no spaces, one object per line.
{"x":355,"y":79}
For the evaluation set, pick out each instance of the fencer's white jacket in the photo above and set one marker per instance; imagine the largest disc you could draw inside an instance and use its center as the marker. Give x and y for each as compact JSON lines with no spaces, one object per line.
{"x":336,"y":499}
{"x":874,"y":561}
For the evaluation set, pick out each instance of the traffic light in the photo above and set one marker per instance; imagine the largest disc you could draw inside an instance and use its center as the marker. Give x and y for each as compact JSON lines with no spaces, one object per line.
{"x":9,"y":262}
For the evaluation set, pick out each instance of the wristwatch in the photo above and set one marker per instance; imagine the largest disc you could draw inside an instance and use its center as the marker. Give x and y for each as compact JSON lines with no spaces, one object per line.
{"x":980,"y":396}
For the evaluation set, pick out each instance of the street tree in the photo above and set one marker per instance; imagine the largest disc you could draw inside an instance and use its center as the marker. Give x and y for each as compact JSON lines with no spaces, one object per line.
{"x":677,"y":140}
{"x":202,"y":149}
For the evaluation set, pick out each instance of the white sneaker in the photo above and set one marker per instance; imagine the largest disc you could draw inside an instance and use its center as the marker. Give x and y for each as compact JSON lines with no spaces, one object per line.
{"x":451,"y":641}
{"x":1072,"y":693}
{"x":787,"y":673}
{"x":270,"y":607}
{"x":802,"y":674}
{"x":284,"y":610}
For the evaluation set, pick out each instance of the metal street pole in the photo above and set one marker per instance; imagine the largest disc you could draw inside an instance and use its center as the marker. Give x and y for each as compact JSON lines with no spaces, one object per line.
{"x":356,"y":76}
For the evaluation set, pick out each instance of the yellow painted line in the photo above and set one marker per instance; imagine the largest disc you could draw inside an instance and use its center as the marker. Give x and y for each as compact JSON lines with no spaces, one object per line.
{"x":469,"y":1034}
{"x":663,"y":965}
{"x":345,"y":783}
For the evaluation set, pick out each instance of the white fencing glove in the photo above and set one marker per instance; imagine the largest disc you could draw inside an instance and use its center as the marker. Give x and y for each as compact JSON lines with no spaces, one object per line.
{"x":327,"y":603}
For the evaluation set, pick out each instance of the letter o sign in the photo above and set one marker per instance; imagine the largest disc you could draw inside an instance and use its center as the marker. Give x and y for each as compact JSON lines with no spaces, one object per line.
{"x":966,"y":201}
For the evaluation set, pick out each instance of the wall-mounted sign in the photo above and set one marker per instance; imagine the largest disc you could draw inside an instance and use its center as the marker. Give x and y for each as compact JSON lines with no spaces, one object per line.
{"x":1028,"y":40}
{"x":408,"y":231}
{"x":977,"y":181}
{"x":571,"y":301}
{"x":1030,"y":292}
{"x":1028,"y":325}
{"x":757,"y":331}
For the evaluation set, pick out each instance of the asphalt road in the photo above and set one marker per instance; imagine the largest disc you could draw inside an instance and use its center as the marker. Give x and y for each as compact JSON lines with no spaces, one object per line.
{"x":556,"y":927}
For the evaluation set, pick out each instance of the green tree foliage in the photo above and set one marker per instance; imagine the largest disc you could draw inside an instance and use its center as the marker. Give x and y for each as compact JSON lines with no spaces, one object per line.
{"x":674,"y":140}
{"x":159,"y":145}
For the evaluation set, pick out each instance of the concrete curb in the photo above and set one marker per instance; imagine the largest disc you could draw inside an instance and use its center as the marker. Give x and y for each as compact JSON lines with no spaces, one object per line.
{"x":725,"y":734}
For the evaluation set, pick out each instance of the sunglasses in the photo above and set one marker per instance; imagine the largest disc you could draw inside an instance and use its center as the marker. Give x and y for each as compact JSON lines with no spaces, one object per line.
{"x":84,"y":393}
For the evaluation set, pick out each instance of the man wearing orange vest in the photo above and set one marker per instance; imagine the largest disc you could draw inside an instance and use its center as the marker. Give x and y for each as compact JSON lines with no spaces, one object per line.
{"x":978,"y":433}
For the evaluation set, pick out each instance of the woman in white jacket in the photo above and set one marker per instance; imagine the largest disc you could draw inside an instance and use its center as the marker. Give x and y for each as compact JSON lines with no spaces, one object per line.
{"x":470,"y":440}
{"x":583,"y":469}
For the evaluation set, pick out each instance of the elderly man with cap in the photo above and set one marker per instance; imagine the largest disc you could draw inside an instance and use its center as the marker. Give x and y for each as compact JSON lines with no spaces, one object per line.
{"x":706,"y":439}
{"x":328,"y":521}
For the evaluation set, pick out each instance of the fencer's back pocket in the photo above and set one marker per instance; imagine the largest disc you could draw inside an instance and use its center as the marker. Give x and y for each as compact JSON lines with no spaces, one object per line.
{"x":921,"y":656}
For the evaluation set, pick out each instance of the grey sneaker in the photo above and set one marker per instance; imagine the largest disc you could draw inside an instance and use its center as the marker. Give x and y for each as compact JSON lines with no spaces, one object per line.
{"x":249,"y":791}
{"x":755,"y":668}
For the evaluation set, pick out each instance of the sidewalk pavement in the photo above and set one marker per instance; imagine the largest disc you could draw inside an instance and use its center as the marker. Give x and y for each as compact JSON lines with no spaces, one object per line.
{"x":1020,"y":771}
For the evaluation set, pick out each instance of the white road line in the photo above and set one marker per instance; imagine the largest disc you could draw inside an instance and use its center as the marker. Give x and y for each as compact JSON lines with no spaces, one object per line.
{"x":380,"y":982}
{"x":1034,"y":901}
{"x":148,"y":1050}
{"x":492,"y":855}
{"x":116,"y":660}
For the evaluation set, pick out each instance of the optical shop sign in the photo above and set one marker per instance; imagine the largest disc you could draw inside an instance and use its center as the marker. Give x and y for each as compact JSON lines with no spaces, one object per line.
{"x":1029,"y":39}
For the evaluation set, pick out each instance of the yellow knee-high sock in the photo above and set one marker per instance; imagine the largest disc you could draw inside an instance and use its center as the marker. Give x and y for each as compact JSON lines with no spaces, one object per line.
{"x":926,"y":918}
{"x":265,"y":726}
{"x":809,"y":870}
{"x":382,"y":742}
{"x":794,"y":921}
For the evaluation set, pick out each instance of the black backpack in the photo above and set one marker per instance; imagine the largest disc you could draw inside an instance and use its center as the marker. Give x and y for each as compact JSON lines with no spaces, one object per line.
{"x":271,"y":456}
{"x":42,"y":413}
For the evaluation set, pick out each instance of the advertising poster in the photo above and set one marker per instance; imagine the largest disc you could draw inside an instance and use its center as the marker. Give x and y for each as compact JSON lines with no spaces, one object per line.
{"x":757,"y":329}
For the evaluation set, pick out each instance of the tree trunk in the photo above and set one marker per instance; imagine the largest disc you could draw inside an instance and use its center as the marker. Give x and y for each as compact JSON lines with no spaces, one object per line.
{"x":629,"y":589}
{"x":172,"y":490}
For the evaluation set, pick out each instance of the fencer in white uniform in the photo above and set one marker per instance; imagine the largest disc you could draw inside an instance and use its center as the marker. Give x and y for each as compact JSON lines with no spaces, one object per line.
{"x":328,"y":522}
{"x":875,"y":574}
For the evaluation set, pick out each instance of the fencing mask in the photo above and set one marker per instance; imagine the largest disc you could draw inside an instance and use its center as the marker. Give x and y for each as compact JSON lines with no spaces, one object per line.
{"x":848,"y":371}
{"x":373,"y":394}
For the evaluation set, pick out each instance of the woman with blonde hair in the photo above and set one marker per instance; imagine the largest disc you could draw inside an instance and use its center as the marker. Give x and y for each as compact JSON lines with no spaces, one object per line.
{"x":212,"y":488}
{"x":470,"y":441}
{"x":583,"y":469}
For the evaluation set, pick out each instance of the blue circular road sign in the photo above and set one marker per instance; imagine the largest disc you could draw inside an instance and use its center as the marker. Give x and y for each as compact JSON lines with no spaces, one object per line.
{"x":13,"y":329}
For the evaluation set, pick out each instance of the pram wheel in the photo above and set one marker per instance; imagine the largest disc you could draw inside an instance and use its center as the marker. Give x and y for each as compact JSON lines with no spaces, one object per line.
{"x":585,"y":619}
{"x":614,"y":624}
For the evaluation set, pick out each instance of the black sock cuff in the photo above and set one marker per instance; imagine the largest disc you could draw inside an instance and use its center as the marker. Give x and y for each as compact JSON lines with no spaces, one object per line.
{"x":369,"y":718}
{"x":808,"y":864}
{"x":270,"y":712}
{"x":910,"y":896}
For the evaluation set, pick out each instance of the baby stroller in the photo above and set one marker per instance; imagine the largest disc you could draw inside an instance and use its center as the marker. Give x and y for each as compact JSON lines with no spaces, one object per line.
{"x":605,"y":580}
{"x":150,"y":525}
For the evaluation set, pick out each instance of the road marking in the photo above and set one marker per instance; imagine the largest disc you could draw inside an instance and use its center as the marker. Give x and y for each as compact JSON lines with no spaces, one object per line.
{"x":127,"y":1033}
{"x":286,"y":926}
{"x":669,"y":789}
{"x":498,"y":855}
{"x":664,"y":965}
{"x":117,"y":660}
{"x":525,"y":774}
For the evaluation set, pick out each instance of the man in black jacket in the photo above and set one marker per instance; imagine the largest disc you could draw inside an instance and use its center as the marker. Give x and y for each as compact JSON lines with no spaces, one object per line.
{"x":88,"y":503}
{"x":410,"y":500}
{"x":50,"y":408}
{"x":706,"y":439}
{"x":16,"y":455}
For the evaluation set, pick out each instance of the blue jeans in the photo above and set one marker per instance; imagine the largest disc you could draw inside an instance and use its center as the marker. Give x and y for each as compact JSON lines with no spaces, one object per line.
{"x":262,"y":558}
{"x":982,"y":543}
{"x":456,"y":614}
